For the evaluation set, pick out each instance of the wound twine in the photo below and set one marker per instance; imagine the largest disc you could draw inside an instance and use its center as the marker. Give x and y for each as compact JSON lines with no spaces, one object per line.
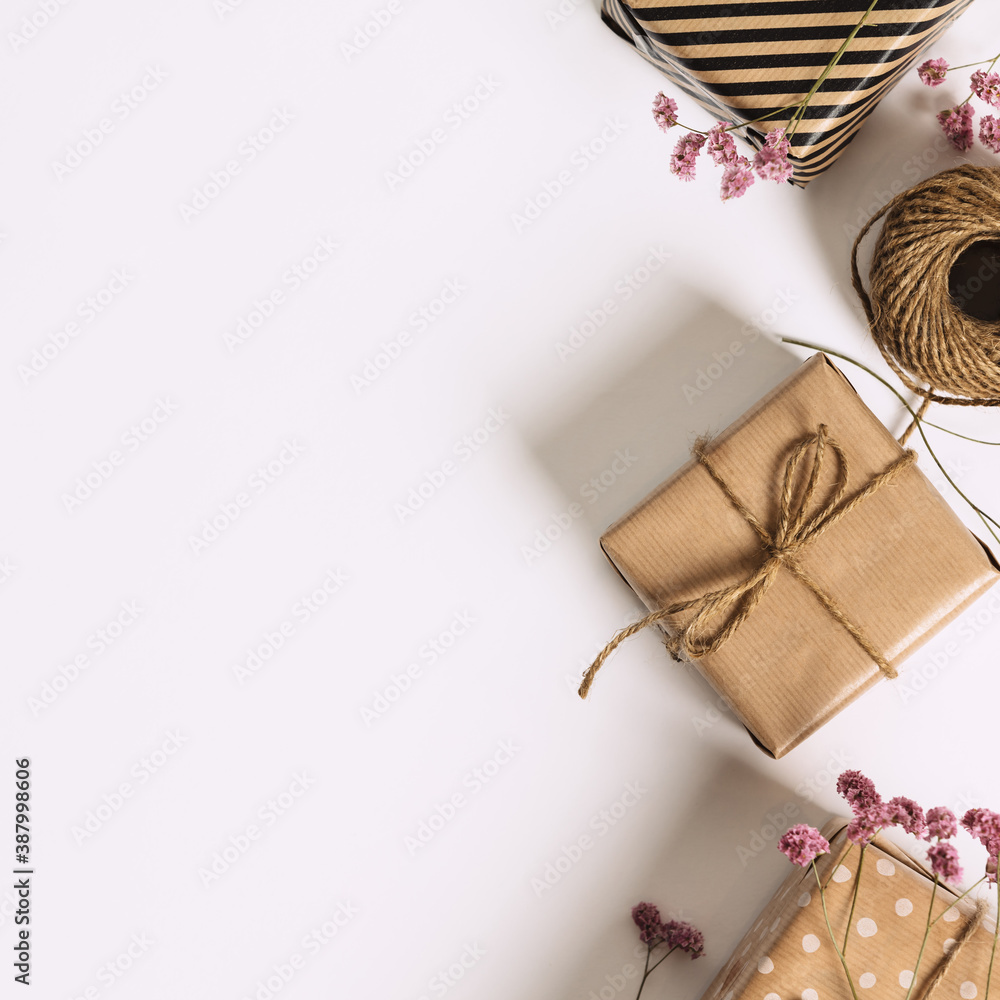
{"x":922,"y":332}
{"x":796,"y":528}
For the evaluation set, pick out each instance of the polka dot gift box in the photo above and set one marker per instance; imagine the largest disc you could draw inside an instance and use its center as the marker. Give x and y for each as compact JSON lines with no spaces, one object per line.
{"x":788,"y":954}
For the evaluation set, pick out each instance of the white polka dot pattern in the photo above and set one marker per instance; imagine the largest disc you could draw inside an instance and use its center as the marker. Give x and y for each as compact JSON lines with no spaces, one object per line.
{"x":867,"y":927}
{"x":787,"y":953}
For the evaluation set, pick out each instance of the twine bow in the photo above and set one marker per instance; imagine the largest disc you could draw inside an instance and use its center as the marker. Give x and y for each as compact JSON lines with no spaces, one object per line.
{"x":797,"y":527}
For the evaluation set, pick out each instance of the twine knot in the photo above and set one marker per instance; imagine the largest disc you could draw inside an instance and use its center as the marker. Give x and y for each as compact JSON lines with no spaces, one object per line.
{"x":803,"y":516}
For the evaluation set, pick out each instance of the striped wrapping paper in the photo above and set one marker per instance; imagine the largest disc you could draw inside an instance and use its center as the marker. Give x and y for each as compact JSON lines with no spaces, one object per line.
{"x":743,"y":60}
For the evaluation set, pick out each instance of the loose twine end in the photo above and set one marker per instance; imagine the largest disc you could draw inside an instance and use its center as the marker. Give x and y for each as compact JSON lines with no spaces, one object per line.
{"x":620,"y":637}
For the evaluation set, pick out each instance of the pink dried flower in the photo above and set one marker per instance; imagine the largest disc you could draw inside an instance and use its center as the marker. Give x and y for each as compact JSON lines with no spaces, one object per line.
{"x":944,"y":862}
{"x":647,"y":918}
{"x":941,"y":823}
{"x":776,"y":139}
{"x":867,"y":822}
{"x":984,"y":825}
{"x":664,"y":111}
{"x":858,"y":790}
{"x":721,"y":146}
{"x":772,"y":164}
{"x":957,"y":125}
{"x":989,"y":133}
{"x":737,"y":178}
{"x":678,"y":934}
{"x":933,"y":72}
{"x":907,"y":814}
{"x":986,"y":86}
{"x":682,"y":163}
{"x":802,"y":844}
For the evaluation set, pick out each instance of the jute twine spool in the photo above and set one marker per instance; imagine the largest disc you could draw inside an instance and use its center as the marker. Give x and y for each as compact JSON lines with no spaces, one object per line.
{"x":922,"y":332}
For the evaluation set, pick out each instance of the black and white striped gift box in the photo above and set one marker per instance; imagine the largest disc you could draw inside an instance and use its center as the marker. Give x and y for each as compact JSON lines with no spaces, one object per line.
{"x":744,"y":60}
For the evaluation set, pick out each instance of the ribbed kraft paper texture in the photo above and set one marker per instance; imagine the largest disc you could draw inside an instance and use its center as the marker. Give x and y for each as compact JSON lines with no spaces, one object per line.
{"x":788,"y":952}
{"x":744,"y":60}
{"x":901,"y":565}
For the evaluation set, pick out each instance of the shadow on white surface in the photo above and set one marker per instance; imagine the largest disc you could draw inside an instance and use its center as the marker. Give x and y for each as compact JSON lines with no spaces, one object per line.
{"x":616,"y":440}
{"x":717,"y":867}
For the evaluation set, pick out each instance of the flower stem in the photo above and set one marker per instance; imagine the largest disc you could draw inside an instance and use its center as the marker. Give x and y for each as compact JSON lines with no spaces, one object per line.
{"x":981,"y":61}
{"x":645,"y":971}
{"x":847,"y":854}
{"x":826,"y":916}
{"x":993,"y":953}
{"x":804,"y":103}
{"x":770,"y":114}
{"x":668,"y":954}
{"x":854,"y":901}
{"x":957,"y":899}
{"x":923,"y":944}
{"x":736,"y":127}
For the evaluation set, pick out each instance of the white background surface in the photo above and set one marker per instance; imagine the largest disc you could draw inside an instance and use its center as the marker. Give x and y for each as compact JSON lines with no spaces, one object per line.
{"x":778,"y":259}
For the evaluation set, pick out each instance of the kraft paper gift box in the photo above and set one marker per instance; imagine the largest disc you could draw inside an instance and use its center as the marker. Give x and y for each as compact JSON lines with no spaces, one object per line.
{"x":742,"y":61}
{"x":897,"y":567}
{"x":788,"y":953}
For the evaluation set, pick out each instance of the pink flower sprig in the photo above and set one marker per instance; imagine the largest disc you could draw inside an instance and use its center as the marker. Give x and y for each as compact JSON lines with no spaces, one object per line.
{"x":957,"y":122}
{"x":664,"y":111}
{"x":803,"y":844}
{"x":944,"y":862}
{"x":986,"y":86}
{"x":682,"y":163}
{"x":933,"y":72}
{"x":941,"y":824}
{"x":984,"y":825}
{"x":771,"y":163}
{"x":989,"y":133}
{"x":674,"y":935}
